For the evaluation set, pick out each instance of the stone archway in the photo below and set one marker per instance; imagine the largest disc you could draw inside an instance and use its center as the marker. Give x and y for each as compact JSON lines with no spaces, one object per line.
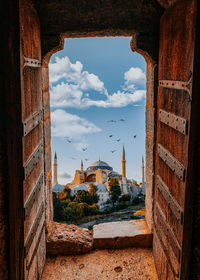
{"x":136,"y":44}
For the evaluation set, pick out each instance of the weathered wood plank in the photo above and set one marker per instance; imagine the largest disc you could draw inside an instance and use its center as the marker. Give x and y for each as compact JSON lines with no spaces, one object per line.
{"x":34,"y":159}
{"x":172,"y":203}
{"x":33,"y":229}
{"x":31,"y":122}
{"x":176,"y":167}
{"x":33,"y":196}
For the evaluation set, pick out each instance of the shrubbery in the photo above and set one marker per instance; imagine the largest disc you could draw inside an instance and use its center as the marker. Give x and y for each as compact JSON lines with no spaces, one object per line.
{"x":69,"y":208}
{"x":124,"y":198}
{"x":138,"y":199}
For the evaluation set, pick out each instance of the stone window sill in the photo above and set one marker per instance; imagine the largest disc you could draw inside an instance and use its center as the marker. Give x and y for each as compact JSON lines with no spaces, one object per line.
{"x":65,"y":239}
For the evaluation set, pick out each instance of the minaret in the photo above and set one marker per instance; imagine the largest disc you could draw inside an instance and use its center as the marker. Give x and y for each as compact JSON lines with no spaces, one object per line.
{"x":123,"y":184}
{"x":123,"y":165}
{"x":143,"y":180}
{"x":142,"y":169}
{"x":55,"y":167}
{"x":81,"y":166}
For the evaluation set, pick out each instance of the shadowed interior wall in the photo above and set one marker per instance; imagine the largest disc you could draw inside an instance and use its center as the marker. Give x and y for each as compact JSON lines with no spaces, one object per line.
{"x":84,"y":19}
{"x":11,"y":168}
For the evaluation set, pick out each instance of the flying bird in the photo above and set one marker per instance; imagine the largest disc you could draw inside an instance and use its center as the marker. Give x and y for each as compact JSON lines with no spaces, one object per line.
{"x":134,"y":136}
{"x":111,"y":135}
{"x":122,"y":120}
{"x":118,"y":140}
{"x":112,"y":151}
{"x":84,"y":149}
{"x":112,"y":121}
{"x":86,"y":159}
{"x":68,"y":140}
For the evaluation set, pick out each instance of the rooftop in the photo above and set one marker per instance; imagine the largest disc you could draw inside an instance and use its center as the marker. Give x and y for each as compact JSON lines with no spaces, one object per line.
{"x":99,"y":165}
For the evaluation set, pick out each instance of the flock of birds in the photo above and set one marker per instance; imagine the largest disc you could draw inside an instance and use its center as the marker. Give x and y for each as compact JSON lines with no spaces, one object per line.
{"x":84,"y":149}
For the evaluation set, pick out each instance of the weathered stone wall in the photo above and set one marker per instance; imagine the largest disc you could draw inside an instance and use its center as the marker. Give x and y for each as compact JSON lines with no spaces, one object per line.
{"x":150,"y":146}
{"x":195,"y":259}
{"x":166,"y":3}
{"x":47,"y":142}
{"x":68,"y":239}
{"x":195,"y":248}
{"x":10,"y":144}
{"x":3,"y":202}
{"x":97,"y":18}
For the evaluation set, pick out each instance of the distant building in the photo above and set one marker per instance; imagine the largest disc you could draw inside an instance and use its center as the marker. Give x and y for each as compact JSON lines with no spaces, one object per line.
{"x":57,"y":188}
{"x":99,"y":173}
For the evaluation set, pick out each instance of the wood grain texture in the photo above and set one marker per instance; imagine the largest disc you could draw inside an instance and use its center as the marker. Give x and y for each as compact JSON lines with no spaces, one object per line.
{"x":176,"y":53}
{"x":32,"y":101}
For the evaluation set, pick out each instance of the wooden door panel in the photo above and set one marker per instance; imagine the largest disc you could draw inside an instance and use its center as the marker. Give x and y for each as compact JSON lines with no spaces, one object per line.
{"x":33,"y":143}
{"x":174,"y":102}
{"x":31,"y":140}
{"x":161,"y":262}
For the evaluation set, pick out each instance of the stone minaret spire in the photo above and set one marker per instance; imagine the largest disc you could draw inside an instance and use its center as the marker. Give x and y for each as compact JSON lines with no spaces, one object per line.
{"x":143,"y":190}
{"x":81,"y":166}
{"x":123,"y":165}
{"x":55,"y":170}
{"x":142,"y":169}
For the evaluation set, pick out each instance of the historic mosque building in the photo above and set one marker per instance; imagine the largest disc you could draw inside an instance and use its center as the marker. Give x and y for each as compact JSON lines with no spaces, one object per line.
{"x":100,"y":173}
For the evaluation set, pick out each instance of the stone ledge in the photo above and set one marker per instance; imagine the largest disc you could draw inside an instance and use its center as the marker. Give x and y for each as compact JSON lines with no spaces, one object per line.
{"x":65,"y":239}
{"x":126,"y":264}
{"x":119,"y":235}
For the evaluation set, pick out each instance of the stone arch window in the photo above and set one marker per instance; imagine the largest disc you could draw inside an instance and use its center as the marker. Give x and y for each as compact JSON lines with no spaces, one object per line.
{"x":52,"y":22}
{"x":91,"y":178}
{"x":110,"y":22}
{"x":137,"y":44}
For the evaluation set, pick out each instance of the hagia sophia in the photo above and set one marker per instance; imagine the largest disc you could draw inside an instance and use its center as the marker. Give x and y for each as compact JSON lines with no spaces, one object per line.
{"x":99,"y":173}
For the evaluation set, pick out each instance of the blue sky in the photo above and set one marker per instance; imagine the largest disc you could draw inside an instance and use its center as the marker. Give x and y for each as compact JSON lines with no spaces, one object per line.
{"x":93,"y":81}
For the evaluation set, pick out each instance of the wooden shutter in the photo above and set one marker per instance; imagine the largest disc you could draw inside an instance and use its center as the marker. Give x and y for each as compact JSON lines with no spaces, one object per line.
{"x":173,"y":168}
{"x":33,"y":150}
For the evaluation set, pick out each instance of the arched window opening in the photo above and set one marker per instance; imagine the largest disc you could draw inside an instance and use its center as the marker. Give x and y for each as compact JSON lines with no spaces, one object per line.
{"x":98,"y":101}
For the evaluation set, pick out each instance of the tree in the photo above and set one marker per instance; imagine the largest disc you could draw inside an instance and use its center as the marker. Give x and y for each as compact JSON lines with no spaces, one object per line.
{"x":65,"y":194}
{"x":92,"y":189}
{"x":74,"y":211}
{"x":93,"y":193}
{"x":58,"y":208}
{"x":115,"y":190}
{"x":83,"y":196}
{"x":125,"y":197}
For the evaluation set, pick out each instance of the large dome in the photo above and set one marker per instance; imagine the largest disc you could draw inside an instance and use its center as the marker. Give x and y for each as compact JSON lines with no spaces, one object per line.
{"x":99,"y":165}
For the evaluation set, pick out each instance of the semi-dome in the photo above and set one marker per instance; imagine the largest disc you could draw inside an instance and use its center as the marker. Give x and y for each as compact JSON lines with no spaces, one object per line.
{"x":114,"y":174}
{"x":99,"y":165}
{"x":78,"y":188}
{"x":57,"y":188}
{"x":101,"y":187}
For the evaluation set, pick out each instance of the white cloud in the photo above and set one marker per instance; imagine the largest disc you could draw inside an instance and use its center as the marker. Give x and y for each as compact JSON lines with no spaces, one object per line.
{"x":66,"y":95}
{"x":64,"y":124}
{"x":73,"y":91}
{"x":118,"y":99}
{"x":64,"y":69}
{"x":134,"y":76}
{"x":64,"y":175}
